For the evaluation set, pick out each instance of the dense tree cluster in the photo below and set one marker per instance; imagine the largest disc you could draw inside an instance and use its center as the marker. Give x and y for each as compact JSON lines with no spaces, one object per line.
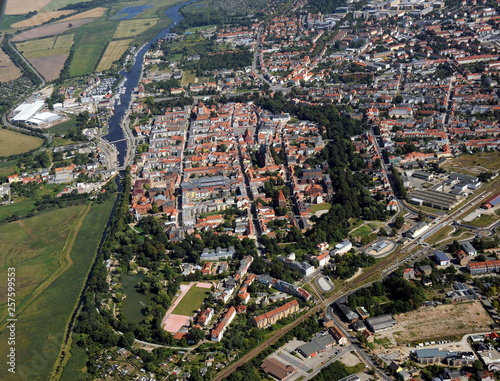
{"x":230,"y":60}
{"x":399,"y":295}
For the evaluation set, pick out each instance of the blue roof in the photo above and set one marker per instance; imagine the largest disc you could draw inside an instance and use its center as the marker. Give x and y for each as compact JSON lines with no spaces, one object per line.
{"x":440,"y":256}
{"x":429,"y":353}
{"x":495,"y":201}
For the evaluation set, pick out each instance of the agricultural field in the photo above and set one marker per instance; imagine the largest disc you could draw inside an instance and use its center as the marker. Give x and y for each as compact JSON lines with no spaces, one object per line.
{"x":132,"y":28}
{"x":92,"y":13}
{"x":40,"y":18}
{"x":53,"y":29}
{"x":13,"y":143}
{"x":46,"y":47}
{"x":90,"y":42}
{"x":47,"y":55}
{"x":23,"y":7}
{"x":52,"y":254}
{"x":8,"y":71}
{"x":113,"y":53}
{"x":434,"y":323}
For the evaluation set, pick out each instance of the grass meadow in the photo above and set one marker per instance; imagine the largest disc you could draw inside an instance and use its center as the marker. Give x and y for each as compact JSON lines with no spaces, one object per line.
{"x":52,"y":254}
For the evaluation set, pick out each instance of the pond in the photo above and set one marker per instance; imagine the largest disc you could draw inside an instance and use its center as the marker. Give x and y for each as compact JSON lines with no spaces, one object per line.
{"x":135,"y":302}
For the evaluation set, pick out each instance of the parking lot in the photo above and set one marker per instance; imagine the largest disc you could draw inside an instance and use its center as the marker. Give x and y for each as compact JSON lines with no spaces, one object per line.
{"x":306,"y":367}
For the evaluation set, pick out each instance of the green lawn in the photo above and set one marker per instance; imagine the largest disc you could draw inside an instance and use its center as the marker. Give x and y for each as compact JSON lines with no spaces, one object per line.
{"x":52,"y":254}
{"x":440,"y":235}
{"x":362,"y":231}
{"x":317,"y":207}
{"x":65,"y":127}
{"x":483,"y":220}
{"x":191,"y":301}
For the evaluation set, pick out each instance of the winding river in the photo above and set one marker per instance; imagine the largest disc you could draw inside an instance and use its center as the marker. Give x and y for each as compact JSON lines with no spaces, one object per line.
{"x":129,"y":80}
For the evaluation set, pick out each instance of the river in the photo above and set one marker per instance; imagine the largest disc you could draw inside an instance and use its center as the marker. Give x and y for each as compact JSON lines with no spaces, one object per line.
{"x":130,"y":80}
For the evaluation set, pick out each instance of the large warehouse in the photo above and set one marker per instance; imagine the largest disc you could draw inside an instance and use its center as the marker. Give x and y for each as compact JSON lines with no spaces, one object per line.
{"x":436,"y":199}
{"x":26,"y":110}
{"x":380,"y":323}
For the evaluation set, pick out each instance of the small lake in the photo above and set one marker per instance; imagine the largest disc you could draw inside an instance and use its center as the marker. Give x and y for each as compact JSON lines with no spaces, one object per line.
{"x":135,"y":302}
{"x":128,"y":13}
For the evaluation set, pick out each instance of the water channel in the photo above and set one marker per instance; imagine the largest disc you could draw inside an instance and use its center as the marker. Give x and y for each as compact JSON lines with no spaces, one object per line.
{"x":129,"y":80}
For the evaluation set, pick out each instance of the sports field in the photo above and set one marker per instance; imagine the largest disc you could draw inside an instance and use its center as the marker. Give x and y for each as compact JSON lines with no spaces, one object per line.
{"x":13,"y":143}
{"x":192,"y":300}
{"x":113,"y":53}
{"x":187,"y":302}
{"x":52,"y":254}
{"x":132,"y":28}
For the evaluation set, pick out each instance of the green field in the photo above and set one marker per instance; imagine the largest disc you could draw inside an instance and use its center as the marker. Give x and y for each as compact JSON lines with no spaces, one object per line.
{"x":13,"y":143}
{"x":90,"y":42}
{"x":191,"y":301}
{"x":64,"y":127}
{"x":52,"y":254}
{"x":317,"y":207}
{"x":18,"y":208}
{"x":483,"y":220}
{"x":362,"y":231}
{"x":8,"y":167}
{"x":75,"y":368}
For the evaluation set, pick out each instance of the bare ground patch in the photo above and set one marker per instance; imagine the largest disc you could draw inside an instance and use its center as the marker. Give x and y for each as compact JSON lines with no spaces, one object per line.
{"x":441,"y":322}
{"x":40,"y":18}
{"x":50,"y":30}
{"x":49,"y":67}
{"x":20,"y":7}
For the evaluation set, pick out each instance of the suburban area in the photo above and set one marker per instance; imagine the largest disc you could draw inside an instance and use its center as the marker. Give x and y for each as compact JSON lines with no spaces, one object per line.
{"x":250,"y":190}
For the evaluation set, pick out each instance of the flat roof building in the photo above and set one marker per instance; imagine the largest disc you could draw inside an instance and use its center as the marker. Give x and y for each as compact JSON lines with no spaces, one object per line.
{"x":436,"y":199}
{"x":380,"y":323}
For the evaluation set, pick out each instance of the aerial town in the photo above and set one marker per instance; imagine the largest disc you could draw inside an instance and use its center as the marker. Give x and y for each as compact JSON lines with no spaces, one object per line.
{"x":287,"y":190}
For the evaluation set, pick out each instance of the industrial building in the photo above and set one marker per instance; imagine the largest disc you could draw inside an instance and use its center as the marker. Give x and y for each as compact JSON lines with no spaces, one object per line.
{"x":380,"y":323}
{"x":435,"y":199}
{"x":316,"y":345}
{"x":25,"y":111}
